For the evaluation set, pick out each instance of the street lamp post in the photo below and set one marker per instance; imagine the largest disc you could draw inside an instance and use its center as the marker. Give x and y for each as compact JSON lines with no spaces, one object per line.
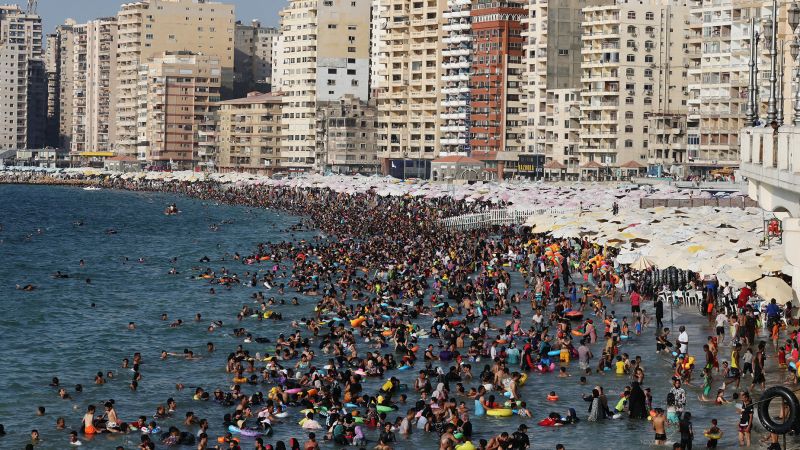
{"x":772,"y":28}
{"x":751,"y":113}
{"x":782,"y":64}
{"x":794,"y":47}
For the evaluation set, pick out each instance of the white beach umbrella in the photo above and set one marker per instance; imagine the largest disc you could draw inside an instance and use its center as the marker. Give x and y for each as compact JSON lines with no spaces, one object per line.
{"x":774,"y":287}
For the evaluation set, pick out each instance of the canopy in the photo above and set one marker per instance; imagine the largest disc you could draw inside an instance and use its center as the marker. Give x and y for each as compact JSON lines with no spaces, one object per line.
{"x":643,"y":263}
{"x":774,"y":287}
{"x":744,"y":274}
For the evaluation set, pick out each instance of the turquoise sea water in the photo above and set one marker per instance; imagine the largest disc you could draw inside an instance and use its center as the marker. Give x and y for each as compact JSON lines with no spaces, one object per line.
{"x":54,"y":331}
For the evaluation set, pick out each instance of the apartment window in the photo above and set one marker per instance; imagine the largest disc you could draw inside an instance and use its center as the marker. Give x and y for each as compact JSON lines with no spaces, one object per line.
{"x":332,"y":71}
{"x":351,"y":71}
{"x":630,"y":44}
{"x":648,"y":100}
{"x":628,"y":100}
{"x":632,"y":30}
{"x":649,"y":16}
{"x":629,"y":72}
{"x":354,"y":83}
{"x":649,"y":45}
{"x":331,"y":82}
{"x":351,"y":27}
{"x":628,"y":129}
{"x":352,"y":3}
{"x":331,"y":26}
{"x":648,"y":73}
{"x":351,"y":60}
{"x":148,"y":36}
{"x":651,"y":30}
{"x":628,"y":143}
{"x":351,"y":49}
{"x":630,"y":58}
{"x":648,"y":58}
{"x":632,"y":15}
{"x":563,"y":52}
{"x":328,"y":3}
{"x":629,"y":115}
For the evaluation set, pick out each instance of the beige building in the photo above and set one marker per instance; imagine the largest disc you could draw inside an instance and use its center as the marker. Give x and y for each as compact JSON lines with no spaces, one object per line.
{"x":633,"y":67}
{"x":51,"y":63}
{"x":23,"y":82}
{"x":249,"y":134}
{"x":553,"y":82}
{"x":183,"y":90}
{"x":346,"y":134}
{"x":148,"y":28}
{"x":409,"y":89}
{"x":325,"y":56}
{"x":64,"y":53}
{"x":718,"y":55}
{"x":93,"y":115}
{"x":252,"y":58}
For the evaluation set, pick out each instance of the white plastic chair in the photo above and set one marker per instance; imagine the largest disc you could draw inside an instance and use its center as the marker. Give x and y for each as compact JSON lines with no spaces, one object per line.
{"x":680,"y":297}
{"x":693,"y":297}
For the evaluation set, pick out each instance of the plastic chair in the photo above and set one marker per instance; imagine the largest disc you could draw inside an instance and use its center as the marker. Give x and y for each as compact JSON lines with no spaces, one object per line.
{"x":680,"y":297}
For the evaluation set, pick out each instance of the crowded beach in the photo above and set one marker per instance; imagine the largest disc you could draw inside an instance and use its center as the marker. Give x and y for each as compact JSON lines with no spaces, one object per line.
{"x":418,"y":328}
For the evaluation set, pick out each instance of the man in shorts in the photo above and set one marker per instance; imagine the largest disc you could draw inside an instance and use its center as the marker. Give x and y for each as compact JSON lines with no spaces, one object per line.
{"x":636,"y":301}
{"x":659,"y":427}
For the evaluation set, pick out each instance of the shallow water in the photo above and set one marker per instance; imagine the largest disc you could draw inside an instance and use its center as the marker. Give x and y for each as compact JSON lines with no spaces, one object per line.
{"x":54,"y":331}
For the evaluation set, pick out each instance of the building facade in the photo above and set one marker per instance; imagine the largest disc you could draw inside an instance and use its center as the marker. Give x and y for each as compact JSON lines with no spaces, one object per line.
{"x":147,"y":29}
{"x":346,"y":134}
{"x":633,"y":67}
{"x":183,"y":90}
{"x":252,"y":59}
{"x":249,"y":133}
{"x":325,"y":56}
{"x":94,"y":58}
{"x":457,"y":54}
{"x":497,"y":123}
{"x":553,"y":83}
{"x":409,"y":92}
{"x":24,"y":82}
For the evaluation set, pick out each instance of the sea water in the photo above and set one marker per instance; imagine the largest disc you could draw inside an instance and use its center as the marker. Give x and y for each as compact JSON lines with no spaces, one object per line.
{"x":55,"y":330}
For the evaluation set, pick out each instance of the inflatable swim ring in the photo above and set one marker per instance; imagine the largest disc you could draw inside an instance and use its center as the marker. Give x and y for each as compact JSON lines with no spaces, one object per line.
{"x":499,"y":412}
{"x":552,"y":398}
{"x":384,"y":408}
{"x":358,"y":321}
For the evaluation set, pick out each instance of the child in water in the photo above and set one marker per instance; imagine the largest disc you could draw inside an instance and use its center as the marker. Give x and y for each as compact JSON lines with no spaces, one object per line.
{"x":672,"y":412}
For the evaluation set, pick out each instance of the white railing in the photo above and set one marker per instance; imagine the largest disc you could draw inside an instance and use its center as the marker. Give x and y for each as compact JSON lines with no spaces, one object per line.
{"x":498,"y":217}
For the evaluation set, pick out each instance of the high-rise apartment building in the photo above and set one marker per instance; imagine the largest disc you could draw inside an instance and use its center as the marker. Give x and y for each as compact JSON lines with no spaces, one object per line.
{"x":497,"y":123}
{"x":147,"y":29}
{"x":553,"y":83}
{"x":249,"y":134}
{"x":51,"y":64}
{"x":63,"y":52}
{"x":94,"y":54}
{"x":409,"y":93}
{"x":182,"y":93}
{"x":252,"y":58}
{"x":346,"y":134}
{"x":633,"y":67}
{"x":377,"y":43}
{"x":456,"y":64}
{"x":718,"y":54}
{"x":325,"y":57}
{"x":23,"y":81}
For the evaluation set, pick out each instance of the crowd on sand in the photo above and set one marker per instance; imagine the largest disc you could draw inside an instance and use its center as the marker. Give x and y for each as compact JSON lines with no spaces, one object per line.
{"x":396,"y":292}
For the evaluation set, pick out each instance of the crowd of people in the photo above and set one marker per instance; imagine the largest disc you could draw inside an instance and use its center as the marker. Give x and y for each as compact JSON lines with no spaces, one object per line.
{"x":472,"y":314}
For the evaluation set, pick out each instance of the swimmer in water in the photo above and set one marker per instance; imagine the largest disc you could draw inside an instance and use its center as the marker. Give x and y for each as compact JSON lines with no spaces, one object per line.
{"x":131,"y":326}
{"x":27,"y":287}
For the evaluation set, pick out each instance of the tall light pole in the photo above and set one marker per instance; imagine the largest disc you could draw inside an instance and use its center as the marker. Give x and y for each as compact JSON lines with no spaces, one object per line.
{"x":794,"y":47}
{"x":782,"y":64}
{"x":772,"y":28}
{"x":751,"y":114}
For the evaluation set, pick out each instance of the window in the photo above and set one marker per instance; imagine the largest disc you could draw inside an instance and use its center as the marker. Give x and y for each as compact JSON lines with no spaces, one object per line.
{"x":351,"y":27}
{"x":648,"y":100}
{"x":648,"y":58}
{"x":649,"y":16}
{"x":648,"y":73}
{"x":563,"y":52}
{"x":351,"y":71}
{"x":632,"y":15}
{"x":650,"y":30}
{"x":628,"y":143}
{"x":632,"y":30}
{"x":649,"y":45}
{"x":331,"y":82}
{"x":630,"y":58}
{"x":351,"y":49}
{"x":631,"y":43}
{"x":629,"y":115}
{"x":332,"y":71}
{"x":354,"y":83}
{"x":628,"y":100}
{"x":331,"y":26}
{"x":629,"y":129}
{"x":629,"y":72}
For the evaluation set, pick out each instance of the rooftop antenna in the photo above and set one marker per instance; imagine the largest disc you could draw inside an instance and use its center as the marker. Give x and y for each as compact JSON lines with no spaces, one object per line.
{"x":32,"y":6}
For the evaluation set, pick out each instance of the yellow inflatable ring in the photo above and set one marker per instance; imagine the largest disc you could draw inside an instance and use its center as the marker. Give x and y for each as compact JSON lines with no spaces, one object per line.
{"x":499,"y":412}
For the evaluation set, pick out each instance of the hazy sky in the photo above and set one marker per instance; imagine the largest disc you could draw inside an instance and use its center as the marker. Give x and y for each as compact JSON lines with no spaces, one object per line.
{"x":54,"y":12}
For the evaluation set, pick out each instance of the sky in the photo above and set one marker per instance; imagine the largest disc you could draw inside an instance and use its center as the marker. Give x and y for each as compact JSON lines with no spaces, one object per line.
{"x":54,"y":12}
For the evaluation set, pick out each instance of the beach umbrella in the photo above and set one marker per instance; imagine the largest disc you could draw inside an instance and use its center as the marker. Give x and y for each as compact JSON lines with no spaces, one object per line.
{"x":642,"y":263}
{"x":774,"y":287}
{"x":744,"y":274}
{"x":770,"y":264}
